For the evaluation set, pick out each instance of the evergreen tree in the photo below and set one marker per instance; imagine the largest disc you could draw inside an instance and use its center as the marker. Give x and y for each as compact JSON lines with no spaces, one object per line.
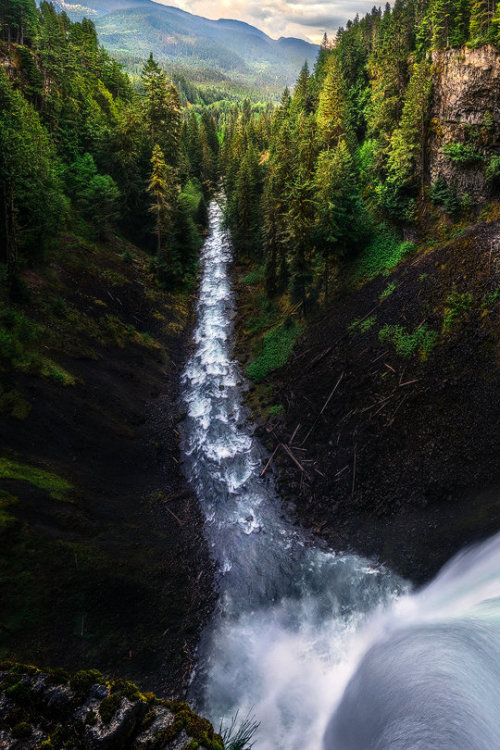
{"x":332,"y":114}
{"x":162,"y":187}
{"x":481,"y":19}
{"x":406,"y":162}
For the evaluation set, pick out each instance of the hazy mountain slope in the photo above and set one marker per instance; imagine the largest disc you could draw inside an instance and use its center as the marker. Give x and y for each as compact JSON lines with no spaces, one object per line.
{"x":132,"y":28}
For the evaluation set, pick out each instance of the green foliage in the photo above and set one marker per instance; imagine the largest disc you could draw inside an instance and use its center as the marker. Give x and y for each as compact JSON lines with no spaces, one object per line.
{"x":382,"y":253}
{"x":57,"y":487}
{"x":462,"y":153}
{"x":407,"y":343}
{"x":457,"y":305}
{"x":277,"y":346}
{"x":490,"y":298}
{"x":239,"y":736}
{"x":391,"y":286}
{"x":276,"y":410}
{"x":77,"y":140}
{"x":252,"y":278}
{"x":363,"y":325}
{"x":406,"y":160}
{"x":493,"y":170}
{"x":442,"y":194}
{"x":19,"y":348}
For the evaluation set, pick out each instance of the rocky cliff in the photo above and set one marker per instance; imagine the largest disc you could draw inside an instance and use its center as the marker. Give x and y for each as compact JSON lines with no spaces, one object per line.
{"x":86,"y":711}
{"x":465,"y":119}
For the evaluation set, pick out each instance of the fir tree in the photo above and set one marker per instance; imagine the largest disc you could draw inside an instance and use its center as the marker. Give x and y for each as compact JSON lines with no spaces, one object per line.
{"x":332,"y":113}
{"x":163,"y":190}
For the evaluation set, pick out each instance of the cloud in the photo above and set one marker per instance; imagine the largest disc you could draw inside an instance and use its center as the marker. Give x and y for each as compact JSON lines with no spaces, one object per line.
{"x":301,"y":18}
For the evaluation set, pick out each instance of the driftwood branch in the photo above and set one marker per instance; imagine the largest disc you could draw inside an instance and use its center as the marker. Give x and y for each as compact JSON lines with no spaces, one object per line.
{"x":270,"y":460}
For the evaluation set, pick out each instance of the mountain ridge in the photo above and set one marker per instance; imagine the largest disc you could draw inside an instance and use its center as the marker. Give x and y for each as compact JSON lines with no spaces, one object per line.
{"x":132,"y":29}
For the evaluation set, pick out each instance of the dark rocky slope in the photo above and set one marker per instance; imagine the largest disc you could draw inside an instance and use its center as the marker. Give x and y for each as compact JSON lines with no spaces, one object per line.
{"x":397,"y":436}
{"x":86,"y":711}
{"x":102,"y":558}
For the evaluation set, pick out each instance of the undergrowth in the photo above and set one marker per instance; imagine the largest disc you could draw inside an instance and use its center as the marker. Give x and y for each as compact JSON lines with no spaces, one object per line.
{"x":406,"y":343}
{"x":277,"y":346}
{"x":382,"y":253}
{"x":43,"y":480}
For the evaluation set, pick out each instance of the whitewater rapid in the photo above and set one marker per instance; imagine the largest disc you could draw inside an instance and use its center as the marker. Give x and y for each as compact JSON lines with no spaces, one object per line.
{"x":304,"y":639}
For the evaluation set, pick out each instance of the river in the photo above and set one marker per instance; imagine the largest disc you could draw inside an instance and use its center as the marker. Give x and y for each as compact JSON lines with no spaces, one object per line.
{"x":302,"y":637}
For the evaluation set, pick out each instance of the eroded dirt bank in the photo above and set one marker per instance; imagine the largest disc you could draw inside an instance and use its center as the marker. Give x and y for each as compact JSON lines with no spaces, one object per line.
{"x":398,"y":450}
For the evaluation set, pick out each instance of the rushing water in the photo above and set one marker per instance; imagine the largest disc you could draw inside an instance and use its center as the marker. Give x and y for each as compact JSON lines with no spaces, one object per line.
{"x":290,"y":630}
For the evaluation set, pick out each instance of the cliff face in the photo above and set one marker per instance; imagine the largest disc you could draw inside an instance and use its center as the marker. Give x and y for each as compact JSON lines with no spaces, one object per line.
{"x":465,"y":114}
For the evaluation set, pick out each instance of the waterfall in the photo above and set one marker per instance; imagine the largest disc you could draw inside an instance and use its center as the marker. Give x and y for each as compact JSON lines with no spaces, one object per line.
{"x":293,"y":619}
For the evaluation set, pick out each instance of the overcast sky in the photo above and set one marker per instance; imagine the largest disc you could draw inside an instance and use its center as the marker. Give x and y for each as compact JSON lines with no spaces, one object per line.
{"x":307,"y":19}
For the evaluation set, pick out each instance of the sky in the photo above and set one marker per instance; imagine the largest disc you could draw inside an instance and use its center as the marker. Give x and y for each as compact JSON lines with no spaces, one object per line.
{"x":306,"y":19}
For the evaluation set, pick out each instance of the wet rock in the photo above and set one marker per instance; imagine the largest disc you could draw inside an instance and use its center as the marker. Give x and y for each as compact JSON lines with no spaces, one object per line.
{"x":115,"y":733}
{"x":43,"y":707}
{"x":162,"y":719}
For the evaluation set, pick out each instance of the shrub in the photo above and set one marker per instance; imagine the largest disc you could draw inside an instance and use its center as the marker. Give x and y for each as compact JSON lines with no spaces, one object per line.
{"x":461,"y":153}
{"x":442,"y":194}
{"x":276,"y":410}
{"x":277,"y":346}
{"x":362,"y":325}
{"x":382,"y":253}
{"x":457,"y":304}
{"x":493,"y":170}
{"x":252,"y":278}
{"x":406,"y":343}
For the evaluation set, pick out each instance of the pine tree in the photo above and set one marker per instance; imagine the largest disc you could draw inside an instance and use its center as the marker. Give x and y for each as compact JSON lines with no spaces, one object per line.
{"x":481,"y":18}
{"x":406,"y":162}
{"x":332,"y":115}
{"x":301,"y":99}
{"x":163,"y":190}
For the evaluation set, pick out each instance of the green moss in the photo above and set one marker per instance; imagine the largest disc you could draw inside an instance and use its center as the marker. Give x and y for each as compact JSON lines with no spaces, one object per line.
{"x":50,"y":369}
{"x":12,"y":404}
{"x":126,"y":688}
{"x":82,"y":681}
{"x":6,"y":500}
{"x":277,"y":346}
{"x":44,"y":480}
{"x":406,"y":343}
{"x":19,"y":693}
{"x":109,"y":706}
{"x":200,"y":730}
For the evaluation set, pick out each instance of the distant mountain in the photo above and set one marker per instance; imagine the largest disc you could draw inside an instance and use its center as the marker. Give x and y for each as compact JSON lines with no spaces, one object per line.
{"x":131,"y":29}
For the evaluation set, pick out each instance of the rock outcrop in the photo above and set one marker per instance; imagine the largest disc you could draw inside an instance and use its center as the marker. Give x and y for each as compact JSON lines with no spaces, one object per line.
{"x":466,"y":116}
{"x":85,"y":711}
